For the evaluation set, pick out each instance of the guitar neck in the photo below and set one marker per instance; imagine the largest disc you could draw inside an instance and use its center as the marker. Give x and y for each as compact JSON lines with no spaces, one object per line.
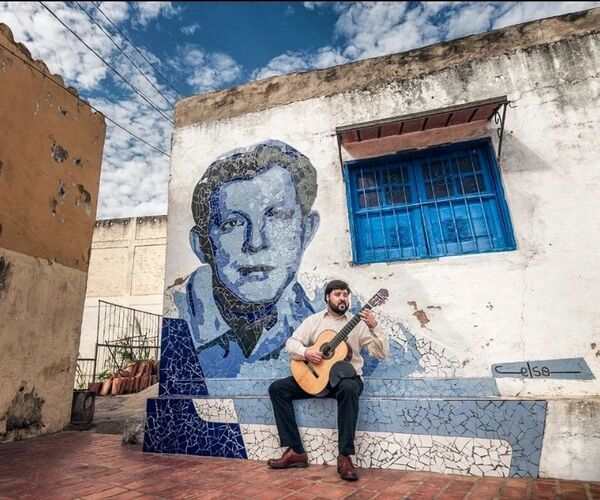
{"x":348,"y":327}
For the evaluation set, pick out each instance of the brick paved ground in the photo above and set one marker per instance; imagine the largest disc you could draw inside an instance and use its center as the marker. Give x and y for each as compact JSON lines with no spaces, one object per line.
{"x":93,"y":466}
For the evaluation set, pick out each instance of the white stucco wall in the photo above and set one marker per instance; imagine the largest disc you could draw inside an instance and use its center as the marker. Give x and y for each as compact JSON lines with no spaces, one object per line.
{"x":127,"y":265}
{"x":535,"y":303}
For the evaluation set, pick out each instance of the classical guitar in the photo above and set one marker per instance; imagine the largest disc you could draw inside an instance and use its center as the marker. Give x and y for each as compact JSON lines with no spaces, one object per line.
{"x":313,"y":378}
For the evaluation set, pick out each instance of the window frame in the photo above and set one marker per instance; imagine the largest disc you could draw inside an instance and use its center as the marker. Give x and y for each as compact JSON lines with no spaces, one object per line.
{"x":491,"y":172}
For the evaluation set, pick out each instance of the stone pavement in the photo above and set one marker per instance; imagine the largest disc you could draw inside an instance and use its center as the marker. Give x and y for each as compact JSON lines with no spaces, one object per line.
{"x":93,"y":466}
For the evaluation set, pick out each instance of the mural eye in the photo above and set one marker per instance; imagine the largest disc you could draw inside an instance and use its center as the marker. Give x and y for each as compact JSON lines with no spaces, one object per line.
{"x":229,"y":224}
{"x":280,"y":213}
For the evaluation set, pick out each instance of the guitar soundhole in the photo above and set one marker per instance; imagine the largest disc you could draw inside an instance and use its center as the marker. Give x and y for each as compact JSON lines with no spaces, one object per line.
{"x":327,"y":351}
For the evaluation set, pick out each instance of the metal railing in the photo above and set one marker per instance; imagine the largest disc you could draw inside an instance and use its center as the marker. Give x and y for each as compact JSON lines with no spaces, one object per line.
{"x":124,"y":336}
{"x":84,"y":373}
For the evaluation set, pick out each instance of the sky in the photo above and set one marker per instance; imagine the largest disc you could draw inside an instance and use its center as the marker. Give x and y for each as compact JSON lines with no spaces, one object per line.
{"x":141,"y":57}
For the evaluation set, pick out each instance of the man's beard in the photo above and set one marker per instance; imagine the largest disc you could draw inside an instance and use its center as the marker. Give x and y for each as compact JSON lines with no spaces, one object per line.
{"x":336,"y":308}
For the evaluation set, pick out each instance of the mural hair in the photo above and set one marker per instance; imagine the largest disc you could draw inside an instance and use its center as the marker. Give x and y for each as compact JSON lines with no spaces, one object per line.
{"x":245,"y":165}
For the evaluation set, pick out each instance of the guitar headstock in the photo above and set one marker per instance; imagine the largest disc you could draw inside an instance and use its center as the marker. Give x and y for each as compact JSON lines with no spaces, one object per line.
{"x":379,"y":298}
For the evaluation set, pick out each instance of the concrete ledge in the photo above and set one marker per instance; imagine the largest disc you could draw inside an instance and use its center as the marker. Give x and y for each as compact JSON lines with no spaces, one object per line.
{"x":403,"y":387}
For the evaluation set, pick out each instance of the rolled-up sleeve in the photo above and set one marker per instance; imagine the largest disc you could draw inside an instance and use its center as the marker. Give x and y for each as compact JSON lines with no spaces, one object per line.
{"x":376,"y":342}
{"x":297,"y":344}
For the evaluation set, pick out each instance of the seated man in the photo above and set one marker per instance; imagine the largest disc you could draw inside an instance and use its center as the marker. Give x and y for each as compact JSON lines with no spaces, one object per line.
{"x":283,"y":392}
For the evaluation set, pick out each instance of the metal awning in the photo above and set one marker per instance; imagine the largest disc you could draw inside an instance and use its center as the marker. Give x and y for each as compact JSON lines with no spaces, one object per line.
{"x":428,"y":122}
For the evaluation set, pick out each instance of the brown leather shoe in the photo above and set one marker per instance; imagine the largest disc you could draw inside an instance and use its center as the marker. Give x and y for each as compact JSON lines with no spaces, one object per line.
{"x":289,"y":459}
{"x":346,"y":469}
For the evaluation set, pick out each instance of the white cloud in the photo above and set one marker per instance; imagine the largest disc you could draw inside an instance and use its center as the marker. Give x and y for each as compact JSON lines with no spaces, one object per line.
{"x":134,"y":177}
{"x":315,"y":5}
{"x":370,"y":30}
{"x":49,"y":41}
{"x":520,"y":12}
{"x":209,"y":70}
{"x":116,"y":11}
{"x":282,"y":64}
{"x":149,"y":11}
{"x":367,"y":29}
{"x":473,"y":18}
{"x":191,"y":29}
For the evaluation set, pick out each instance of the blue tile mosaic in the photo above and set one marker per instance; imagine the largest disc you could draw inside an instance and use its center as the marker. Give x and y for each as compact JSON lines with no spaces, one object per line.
{"x":453,"y":407}
{"x":173,"y":426}
{"x":520,"y":423}
{"x":180,"y":372}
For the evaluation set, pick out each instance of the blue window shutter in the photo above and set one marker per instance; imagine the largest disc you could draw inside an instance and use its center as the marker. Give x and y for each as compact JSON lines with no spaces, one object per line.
{"x":441,"y":201}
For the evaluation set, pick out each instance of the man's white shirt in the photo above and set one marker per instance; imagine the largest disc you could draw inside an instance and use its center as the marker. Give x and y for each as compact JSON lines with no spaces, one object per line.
{"x":374,"y":340}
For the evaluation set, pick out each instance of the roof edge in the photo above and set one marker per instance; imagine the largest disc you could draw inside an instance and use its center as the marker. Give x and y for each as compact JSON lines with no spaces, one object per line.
{"x":293,"y":87}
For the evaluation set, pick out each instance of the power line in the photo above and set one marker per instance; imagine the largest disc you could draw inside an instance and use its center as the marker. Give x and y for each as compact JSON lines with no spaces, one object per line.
{"x":82,"y":101}
{"x":123,"y":52}
{"x":95,"y":4}
{"x":105,"y":62}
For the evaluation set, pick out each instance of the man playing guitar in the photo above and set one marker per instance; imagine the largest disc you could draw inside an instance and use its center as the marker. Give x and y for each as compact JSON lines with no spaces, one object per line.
{"x":347,"y":389}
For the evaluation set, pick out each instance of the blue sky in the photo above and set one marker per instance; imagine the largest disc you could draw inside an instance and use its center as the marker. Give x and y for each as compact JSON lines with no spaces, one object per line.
{"x":207,"y":46}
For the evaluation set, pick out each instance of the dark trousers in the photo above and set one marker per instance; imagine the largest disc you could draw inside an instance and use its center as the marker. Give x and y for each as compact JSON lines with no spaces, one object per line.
{"x":283,"y":392}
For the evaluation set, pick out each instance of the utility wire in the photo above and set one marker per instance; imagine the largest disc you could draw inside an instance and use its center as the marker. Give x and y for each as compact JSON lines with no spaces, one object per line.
{"x":95,"y":4}
{"x":82,"y":101}
{"x":123,"y":52}
{"x":105,"y":62}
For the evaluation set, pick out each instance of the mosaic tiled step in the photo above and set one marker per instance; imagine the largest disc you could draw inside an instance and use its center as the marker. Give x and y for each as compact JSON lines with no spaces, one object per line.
{"x":469,"y":436}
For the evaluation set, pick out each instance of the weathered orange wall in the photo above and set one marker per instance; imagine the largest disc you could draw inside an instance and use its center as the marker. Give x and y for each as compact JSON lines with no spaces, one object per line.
{"x":50,"y":156}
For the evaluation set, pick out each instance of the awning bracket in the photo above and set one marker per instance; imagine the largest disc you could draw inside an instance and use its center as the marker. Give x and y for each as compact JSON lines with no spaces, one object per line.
{"x":500,"y":119}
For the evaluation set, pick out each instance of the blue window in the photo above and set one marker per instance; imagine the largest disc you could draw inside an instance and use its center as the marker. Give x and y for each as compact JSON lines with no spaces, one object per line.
{"x":441,"y":201}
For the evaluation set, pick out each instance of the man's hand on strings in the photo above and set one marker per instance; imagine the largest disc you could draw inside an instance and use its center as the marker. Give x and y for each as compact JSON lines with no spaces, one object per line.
{"x":313,"y":355}
{"x":369,"y":318}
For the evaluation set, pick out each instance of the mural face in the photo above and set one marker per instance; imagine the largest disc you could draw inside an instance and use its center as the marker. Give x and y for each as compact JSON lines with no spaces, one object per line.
{"x":256,"y":232}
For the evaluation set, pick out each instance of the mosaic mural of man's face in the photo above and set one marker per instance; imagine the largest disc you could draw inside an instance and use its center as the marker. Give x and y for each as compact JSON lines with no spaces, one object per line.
{"x":253,"y":219}
{"x":256,"y":229}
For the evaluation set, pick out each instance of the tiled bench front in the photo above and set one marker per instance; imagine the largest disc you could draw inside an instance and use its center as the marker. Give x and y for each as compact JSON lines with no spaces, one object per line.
{"x":491,"y":437}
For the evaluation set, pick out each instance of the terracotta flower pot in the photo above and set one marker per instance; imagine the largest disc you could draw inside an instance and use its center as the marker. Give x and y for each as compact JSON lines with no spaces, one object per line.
{"x":106,"y":387}
{"x":116,"y":388}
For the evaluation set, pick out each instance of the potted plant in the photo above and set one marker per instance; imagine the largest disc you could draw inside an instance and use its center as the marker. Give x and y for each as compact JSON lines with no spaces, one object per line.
{"x":83,"y":407}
